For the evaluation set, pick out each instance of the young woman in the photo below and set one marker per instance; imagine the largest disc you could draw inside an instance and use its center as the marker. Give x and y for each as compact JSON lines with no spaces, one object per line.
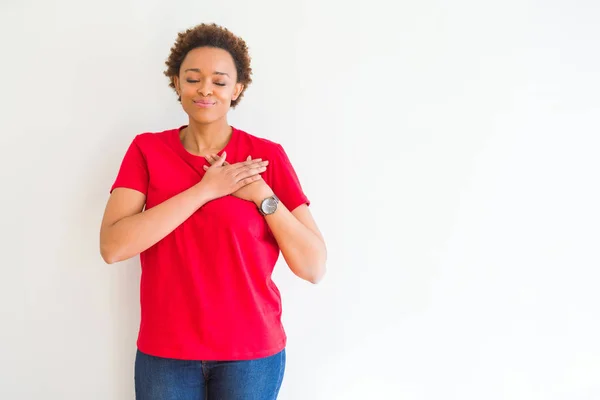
{"x":209,"y":208}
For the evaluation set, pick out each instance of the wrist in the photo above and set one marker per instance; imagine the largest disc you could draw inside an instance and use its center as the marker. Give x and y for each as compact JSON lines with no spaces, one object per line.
{"x":202,"y":193}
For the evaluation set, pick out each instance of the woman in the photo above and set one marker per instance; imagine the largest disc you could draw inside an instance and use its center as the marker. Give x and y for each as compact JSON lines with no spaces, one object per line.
{"x":209,"y":207}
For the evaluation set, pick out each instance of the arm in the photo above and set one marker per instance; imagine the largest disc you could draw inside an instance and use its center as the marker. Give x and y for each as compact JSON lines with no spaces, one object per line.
{"x":127,"y":231}
{"x":301,"y":243}
{"x":296,"y":232}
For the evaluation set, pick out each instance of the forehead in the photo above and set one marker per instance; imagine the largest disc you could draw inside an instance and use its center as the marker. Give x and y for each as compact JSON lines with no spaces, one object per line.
{"x":208,"y":60}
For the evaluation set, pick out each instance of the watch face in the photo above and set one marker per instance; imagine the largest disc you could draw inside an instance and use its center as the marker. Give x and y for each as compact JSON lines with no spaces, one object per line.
{"x":269,"y":206}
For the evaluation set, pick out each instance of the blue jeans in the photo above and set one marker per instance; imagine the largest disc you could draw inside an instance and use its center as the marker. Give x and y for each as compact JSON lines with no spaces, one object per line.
{"x":159,"y":378}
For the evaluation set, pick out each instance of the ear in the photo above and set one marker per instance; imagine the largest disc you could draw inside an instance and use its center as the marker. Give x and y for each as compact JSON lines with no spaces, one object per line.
{"x":239,"y":88}
{"x":176,"y":84}
{"x":177,"y":87}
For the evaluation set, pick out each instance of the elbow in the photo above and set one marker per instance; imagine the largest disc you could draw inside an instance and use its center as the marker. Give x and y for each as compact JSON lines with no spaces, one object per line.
{"x":109,"y":261}
{"x":112,"y":254}
{"x":107,"y":247}
{"x":109,"y":255}
{"x":317,"y":277}
{"x":314,"y":273}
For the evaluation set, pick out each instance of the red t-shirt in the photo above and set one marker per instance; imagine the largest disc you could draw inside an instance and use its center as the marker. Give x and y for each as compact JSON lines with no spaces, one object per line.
{"x":206,"y":289}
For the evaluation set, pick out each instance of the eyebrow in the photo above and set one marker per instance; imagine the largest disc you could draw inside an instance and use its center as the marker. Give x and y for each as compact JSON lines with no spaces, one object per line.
{"x":214,"y":73}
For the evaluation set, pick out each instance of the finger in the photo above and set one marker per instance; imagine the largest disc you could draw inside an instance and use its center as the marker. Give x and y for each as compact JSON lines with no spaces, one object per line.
{"x":221,"y":160}
{"x":251,"y":168}
{"x":246,"y":164}
{"x":210,"y":158}
{"x":249,"y":158}
{"x":215,"y":157}
{"x":249,"y":172}
{"x":254,"y":163}
{"x":250,"y":162}
{"x":205,"y":167}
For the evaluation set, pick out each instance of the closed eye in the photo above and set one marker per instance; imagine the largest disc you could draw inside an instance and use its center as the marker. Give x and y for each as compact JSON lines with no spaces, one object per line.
{"x":194,"y":81}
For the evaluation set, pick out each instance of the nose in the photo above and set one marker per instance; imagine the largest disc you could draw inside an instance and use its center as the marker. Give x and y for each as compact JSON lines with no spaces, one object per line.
{"x":204,"y":88}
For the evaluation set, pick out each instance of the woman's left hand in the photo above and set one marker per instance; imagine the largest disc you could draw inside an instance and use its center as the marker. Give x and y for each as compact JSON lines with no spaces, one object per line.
{"x":255,"y":192}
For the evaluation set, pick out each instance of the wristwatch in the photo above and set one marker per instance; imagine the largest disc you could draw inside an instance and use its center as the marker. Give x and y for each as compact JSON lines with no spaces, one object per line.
{"x":269,"y":205}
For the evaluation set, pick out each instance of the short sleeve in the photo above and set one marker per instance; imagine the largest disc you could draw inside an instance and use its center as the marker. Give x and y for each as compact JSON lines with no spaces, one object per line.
{"x":285,"y":182}
{"x":133,"y":173}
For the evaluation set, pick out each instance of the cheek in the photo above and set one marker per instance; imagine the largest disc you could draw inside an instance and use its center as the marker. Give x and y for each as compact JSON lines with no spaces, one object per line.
{"x":225,"y":95}
{"x":187,"y":88}
{"x":225,"y":92}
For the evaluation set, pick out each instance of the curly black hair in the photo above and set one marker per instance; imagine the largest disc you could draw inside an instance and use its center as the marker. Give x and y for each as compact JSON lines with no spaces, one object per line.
{"x":211,"y":35}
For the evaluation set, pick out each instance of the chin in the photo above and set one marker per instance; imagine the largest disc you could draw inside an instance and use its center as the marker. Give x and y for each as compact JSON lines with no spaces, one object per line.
{"x":204,"y":117}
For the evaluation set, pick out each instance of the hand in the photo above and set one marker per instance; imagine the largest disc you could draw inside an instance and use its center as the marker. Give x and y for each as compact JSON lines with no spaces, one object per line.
{"x":222,"y":178}
{"x":256,"y":191}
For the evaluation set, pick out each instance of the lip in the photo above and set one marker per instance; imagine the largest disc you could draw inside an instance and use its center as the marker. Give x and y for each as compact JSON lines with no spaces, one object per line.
{"x":204,"y":103}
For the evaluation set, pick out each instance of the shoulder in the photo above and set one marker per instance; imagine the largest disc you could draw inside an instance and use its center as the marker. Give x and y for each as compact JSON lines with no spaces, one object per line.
{"x":152,"y":139}
{"x":260,"y":145}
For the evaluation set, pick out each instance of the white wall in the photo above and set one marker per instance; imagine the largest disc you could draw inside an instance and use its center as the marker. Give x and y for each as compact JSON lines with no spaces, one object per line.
{"x":450,"y":149}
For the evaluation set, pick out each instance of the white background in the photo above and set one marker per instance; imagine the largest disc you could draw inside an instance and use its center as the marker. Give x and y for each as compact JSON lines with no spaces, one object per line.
{"x":450,"y":150}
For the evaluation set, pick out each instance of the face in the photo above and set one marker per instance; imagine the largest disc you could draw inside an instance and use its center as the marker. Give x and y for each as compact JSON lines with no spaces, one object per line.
{"x":207,"y":84}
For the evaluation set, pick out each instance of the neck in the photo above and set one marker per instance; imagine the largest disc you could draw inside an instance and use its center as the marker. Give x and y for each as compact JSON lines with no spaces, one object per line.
{"x":203,"y":139}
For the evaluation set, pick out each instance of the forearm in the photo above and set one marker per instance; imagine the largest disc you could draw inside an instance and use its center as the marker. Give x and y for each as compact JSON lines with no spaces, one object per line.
{"x":132,"y":235}
{"x":303,"y":250}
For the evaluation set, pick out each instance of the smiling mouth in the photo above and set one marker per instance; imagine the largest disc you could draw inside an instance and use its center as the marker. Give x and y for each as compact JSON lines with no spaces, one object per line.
{"x":204,"y":104}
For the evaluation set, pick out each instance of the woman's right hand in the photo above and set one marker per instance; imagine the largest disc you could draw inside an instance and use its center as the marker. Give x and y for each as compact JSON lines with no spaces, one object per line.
{"x":221,"y":180}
